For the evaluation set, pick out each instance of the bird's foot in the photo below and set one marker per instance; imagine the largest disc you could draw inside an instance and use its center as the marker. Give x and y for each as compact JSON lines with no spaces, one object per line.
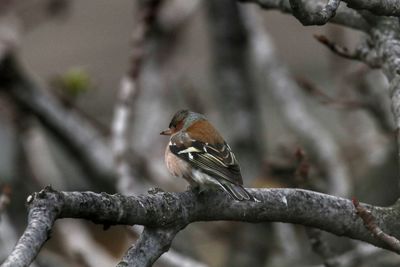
{"x":155,"y":190}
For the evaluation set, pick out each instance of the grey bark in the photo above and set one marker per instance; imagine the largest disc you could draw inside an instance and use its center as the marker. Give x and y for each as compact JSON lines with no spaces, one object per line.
{"x":169,"y":210}
{"x":343,"y":16}
{"x":153,"y":242}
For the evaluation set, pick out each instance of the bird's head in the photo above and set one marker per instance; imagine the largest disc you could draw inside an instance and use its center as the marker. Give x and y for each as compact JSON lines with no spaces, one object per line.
{"x":181,"y":121}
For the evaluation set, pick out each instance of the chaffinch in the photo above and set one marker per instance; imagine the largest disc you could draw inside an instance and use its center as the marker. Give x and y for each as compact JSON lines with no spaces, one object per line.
{"x":198,"y":153}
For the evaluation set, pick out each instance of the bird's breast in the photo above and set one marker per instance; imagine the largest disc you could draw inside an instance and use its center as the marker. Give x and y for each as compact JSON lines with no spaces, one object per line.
{"x":175,"y":165}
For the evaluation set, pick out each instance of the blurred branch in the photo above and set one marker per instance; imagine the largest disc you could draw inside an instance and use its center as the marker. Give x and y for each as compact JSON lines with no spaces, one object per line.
{"x":128,"y":92}
{"x":80,"y":245}
{"x":237,"y":102}
{"x":176,"y":13}
{"x":174,"y":258}
{"x":325,"y":99}
{"x":384,"y":41}
{"x":369,"y":98}
{"x":128,"y":176}
{"x":286,"y":92}
{"x":353,"y":257}
{"x":382,"y":44}
{"x":321,"y":247}
{"x":175,"y":210}
{"x":376,"y":102}
{"x":8,"y":236}
{"x":77,"y":135}
{"x":5,"y":195}
{"x":235,"y":89}
{"x":10,"y":31}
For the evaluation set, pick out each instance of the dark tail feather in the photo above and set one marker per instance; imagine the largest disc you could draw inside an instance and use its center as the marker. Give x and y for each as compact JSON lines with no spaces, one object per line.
{"x":237,"y":192}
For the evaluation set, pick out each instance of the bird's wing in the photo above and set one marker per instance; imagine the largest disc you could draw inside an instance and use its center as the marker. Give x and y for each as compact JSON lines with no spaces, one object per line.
{"x":216,"y":160}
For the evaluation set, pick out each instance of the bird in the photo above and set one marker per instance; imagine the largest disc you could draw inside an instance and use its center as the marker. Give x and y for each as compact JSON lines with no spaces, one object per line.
{"x":197,"y":153}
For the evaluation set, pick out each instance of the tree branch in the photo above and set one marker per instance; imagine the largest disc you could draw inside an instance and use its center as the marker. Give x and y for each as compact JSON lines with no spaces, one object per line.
{"x":321,"y":247}
{"x":362,"y":53}
{"x":377,"y":7}
{"x":370,"y":223}
{"x":302,"y":10}
{"x":286,"y":92}
{"x":323,"y":10}
{"x":386,"y":40}
{"x":127,"y":95}
{"x":153,"y":242}
{"x":169,"y":210}
{"x":77,"y":135}
{"x":344,"y":16}
{"x":233,"y":81}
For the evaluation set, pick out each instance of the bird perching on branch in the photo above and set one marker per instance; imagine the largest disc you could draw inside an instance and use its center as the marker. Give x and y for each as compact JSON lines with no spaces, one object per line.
{"x":198,"y":153}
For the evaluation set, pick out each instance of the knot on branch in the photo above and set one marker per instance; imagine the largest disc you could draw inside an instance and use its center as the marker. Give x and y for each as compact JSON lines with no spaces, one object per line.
{"x":47,"y":198}
{"x":302,"y":10}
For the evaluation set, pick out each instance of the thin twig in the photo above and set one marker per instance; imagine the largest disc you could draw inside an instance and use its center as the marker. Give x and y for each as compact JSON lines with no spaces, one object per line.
{"x":335,"y":48}
{"x":311,"y":89}
{"x":363,"y":54}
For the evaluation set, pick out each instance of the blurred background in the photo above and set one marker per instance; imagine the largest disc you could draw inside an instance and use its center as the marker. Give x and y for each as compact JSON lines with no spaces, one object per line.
{"x":295,"y":114}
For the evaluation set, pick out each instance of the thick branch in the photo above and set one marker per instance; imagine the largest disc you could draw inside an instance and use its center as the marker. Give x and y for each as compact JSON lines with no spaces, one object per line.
{"x":377,"y":7}
{"x":302,"y":10}
{"x":40,"y":222}
{"x":161,"y":210}
{"x":344,"y":16}
{"x":386,"y":40}
{"x":153,"y":242}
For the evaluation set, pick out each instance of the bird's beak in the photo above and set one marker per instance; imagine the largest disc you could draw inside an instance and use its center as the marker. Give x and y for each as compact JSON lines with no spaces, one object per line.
{"x":166,"y":132}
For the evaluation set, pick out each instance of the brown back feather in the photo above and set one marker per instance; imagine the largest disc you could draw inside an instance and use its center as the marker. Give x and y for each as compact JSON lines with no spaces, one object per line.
{"x":202,"y":131}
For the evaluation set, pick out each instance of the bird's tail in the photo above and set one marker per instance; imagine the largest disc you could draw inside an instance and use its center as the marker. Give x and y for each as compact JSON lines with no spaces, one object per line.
{"x":237,"y":192}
